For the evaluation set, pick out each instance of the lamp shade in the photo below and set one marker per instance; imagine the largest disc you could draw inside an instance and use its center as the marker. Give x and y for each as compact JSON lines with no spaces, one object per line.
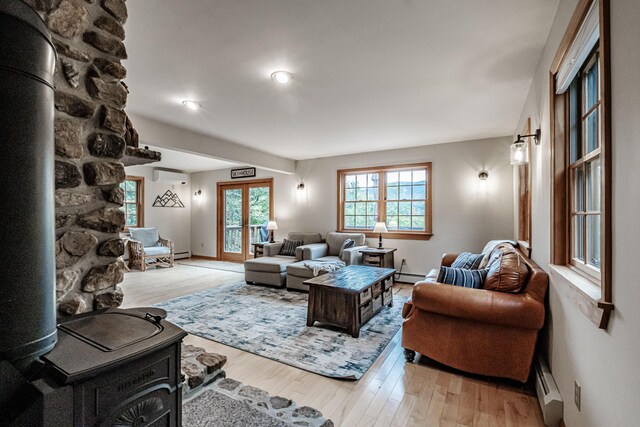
{"x":519,"y":153}
{"x":380,"y":227}
{"x":271,"y":225}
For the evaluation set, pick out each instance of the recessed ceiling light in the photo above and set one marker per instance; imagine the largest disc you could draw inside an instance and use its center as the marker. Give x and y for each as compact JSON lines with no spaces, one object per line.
{"x":282,"y":77}
{"x":191,"y":105}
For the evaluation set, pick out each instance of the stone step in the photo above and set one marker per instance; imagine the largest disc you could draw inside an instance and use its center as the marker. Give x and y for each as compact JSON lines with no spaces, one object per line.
{"x":200,"y":368}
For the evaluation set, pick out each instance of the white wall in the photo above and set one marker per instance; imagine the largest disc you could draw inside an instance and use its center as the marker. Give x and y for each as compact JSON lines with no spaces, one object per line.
{"x":605,"y":363}
{"x":173,"y":223}
{"x":464,"y":216}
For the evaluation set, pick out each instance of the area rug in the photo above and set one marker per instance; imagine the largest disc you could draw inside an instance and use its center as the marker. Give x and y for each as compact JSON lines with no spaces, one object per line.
{"x":272,"y":323}
{"x":229,"y":403}
{"x":214,"y":265}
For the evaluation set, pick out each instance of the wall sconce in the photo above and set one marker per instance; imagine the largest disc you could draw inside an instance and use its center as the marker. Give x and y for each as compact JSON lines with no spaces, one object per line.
{"x":483,"y":175}
{"x":520,"y":148}
{"x":300,"y":186}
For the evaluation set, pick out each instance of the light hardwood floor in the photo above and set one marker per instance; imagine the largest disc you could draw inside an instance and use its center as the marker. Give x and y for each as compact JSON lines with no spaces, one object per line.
{"x":391,"y":393}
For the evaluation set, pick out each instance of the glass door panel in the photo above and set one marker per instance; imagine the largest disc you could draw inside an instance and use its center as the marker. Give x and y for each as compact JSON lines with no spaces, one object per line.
{"x":259,"y":214}
{"x":244,"y":212}
{"x":233,"y":221}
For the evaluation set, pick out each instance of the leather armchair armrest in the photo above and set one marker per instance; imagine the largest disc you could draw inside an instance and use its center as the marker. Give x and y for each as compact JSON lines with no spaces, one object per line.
{"x":311,"y":251}
{"x":447,"y":259}
{"x":498,"y":308}
{"x":407,"y":308}
{"x":352,"y":256}
{"x":272,"y":249}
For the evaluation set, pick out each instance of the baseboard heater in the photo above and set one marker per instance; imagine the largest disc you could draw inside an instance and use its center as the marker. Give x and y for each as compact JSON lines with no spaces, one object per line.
{"x":409,"y":278}
{"x":182,"y":255}
{"x":549,"y":397}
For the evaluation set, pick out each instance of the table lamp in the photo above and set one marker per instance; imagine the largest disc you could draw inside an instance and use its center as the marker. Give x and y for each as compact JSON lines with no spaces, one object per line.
{"x":380,"y":227}
{"x":271,"y":225}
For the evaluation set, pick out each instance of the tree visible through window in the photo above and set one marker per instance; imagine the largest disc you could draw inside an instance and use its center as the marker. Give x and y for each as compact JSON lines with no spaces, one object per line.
{"x":133,"y":207}
{"x":397,"y":195}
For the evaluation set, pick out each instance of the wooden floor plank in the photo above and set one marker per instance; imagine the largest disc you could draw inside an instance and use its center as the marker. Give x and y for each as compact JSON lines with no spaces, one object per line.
{"x":466,"y":403}
{"x":391,"y":393}
{"x":452,"y":402}
{"x":401,"y":417}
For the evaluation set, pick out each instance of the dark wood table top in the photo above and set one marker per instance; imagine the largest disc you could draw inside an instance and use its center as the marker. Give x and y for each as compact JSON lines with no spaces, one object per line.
{"x":353,"y":278}
{"x":377,"y":251}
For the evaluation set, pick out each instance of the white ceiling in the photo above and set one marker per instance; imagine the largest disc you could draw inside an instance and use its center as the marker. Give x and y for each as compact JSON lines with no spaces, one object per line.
{"x":186,"y":162}
{"x":369,"y":74}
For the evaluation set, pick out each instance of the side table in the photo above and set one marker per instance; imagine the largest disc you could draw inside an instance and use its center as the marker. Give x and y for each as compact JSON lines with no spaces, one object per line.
{"x":258,"y":249}
{"x":375,"y":257}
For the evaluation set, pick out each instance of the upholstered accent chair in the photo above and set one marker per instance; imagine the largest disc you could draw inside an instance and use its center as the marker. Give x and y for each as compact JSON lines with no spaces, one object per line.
{"x":297,"y":272}
{"x":147,"y":248}
{"x":271,"y":268}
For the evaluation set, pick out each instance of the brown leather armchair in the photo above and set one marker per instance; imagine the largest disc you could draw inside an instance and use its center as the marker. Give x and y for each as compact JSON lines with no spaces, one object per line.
{"x":476,"y":330}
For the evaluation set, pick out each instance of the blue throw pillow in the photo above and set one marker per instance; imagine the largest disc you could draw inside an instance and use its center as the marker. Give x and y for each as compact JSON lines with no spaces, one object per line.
{"x":462,"y":277}
{"x":468,"y":261}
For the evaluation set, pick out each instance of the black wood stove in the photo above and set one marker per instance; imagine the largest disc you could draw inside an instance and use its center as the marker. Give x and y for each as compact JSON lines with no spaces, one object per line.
{"x":123,"y":368}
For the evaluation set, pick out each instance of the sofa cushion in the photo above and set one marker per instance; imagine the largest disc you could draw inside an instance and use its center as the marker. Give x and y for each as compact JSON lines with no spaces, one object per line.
{"x":148,"y":236}
{"x":489,"y":249}
{"x":300,"y":270}
{"x":306,"y":237}
{"x":462,"y":277}
{"x":335,"y":239}
{"x":468,"y":261}
{"x":156,"y":250}
{"x":289,"y":247}
{"x":268,"y":264}
{"x":507,"y":271}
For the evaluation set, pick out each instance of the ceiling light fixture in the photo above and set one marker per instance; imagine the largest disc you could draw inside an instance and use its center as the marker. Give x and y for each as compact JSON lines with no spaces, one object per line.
{"x":282,"y":77}
{"x":191,"y":105}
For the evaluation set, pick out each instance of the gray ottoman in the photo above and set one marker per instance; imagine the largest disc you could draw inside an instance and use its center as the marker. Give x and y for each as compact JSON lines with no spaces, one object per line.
{"x":296,"y":274}
{"x":267,"y":270}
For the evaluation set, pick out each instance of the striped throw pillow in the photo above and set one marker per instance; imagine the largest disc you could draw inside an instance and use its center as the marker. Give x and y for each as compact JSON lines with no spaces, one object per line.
{"x":468,"y":261}
{"x":289,"y":247}
{"x":462,"y":277}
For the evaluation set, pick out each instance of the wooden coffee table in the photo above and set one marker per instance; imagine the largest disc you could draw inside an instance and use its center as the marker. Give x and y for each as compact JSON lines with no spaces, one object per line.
{"x":349,"y":297}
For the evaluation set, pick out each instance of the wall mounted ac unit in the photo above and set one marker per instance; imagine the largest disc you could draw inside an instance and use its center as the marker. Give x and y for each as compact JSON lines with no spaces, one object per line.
{"x":166,"y":176}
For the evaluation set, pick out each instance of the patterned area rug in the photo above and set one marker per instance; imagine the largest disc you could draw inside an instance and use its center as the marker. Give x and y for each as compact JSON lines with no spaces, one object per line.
{"x":272,"y":323}
{"x":213,"y":265}
{"x":229,"y":403}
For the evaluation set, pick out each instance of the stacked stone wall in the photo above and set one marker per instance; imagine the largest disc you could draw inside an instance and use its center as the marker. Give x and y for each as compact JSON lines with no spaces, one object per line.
{"x":90,"y":123}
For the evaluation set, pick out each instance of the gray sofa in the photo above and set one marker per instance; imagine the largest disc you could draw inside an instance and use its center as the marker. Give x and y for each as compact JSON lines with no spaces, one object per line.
{"x":297,"y":272}
{"x":271,"y":269}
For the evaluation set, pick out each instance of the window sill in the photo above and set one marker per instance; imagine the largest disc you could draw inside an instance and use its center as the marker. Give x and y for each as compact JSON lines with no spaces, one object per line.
{"x":391,"y":235}
{"x":584,"y":293}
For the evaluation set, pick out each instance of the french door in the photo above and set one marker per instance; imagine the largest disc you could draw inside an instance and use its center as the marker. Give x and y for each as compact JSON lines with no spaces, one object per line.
{"x":243,"y":212}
